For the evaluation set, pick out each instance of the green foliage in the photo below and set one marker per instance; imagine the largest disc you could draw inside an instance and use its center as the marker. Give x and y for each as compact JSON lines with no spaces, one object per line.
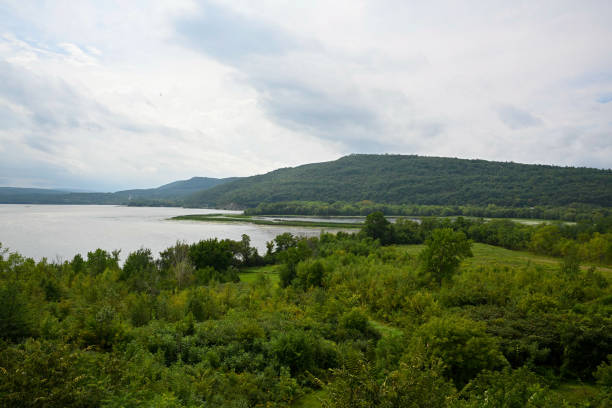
{"x":573,"y":212}
{"x":414,"y":384}
{"x":354,"y":325}
{"x":99,"y":260}
{"x":140,"y":270}
{"x":51,"y":374}
{"x":588,"y":342}
{"x":291,"y":252}
{"x":463,"y":346}
{"x":309,"y":274}
{"x":211,"y":252}
{"x":15,"y":317}
{"x":604,"y":373}
{"x":355,"y":322}
{"x":78,"y":263}
{"x":444,"y":251}
{"x":302,"y":353}
{"x":377,"y":227}
{"x":508,"y":388}
{"x":398,"y":179}
{"x":102,"y":328}
{"x":570,"y":264}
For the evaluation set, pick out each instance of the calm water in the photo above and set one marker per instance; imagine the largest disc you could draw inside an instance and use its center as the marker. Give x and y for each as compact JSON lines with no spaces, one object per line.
{"x":58,"y":232}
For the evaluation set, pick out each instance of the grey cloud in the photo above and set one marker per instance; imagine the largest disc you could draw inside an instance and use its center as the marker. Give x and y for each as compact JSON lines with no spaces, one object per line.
{"x":287,"y":92}
{"x":228,"y":36}
{"x":516,"y":118}
{"x":16,"y":170}
{"x":50,"y":104}
{"x":53,"y":104}
{"x":8,"y":119}
{"x":298,"y":106}
{"x":51,"y":118}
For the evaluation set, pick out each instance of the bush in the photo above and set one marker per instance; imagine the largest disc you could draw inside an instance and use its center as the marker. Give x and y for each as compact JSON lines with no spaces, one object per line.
{"x":354,"y":325}
{"x":302,"y":352}
{"x":462,"y":345}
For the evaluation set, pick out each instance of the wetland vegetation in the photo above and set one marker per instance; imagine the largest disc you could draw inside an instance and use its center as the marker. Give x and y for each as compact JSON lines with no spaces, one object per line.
{"x":394,"y":315}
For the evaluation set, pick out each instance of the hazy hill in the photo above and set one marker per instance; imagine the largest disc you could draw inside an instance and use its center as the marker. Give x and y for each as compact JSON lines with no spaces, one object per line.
{"x":170,"y":194}
{"x":175,"y":190}
{"x":400,"y":179}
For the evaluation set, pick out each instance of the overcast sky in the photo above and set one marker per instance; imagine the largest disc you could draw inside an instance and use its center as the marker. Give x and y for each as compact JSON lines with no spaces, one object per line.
{"x":111,"y":95}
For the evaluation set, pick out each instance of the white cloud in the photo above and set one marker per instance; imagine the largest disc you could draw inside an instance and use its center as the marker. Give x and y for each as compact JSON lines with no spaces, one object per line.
{"x":141,"y":93}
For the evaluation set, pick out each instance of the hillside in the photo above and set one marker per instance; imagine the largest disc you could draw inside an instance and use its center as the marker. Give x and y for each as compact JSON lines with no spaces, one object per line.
{"x":401,"y":179}
{"x":169,"y":194}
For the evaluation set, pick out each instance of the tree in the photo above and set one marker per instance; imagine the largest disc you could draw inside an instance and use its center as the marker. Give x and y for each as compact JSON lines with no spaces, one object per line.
{"x":245,"y":251}
{"x":15,"y":322}
{"x":175,"y":261}
{"x":376,"y":226}
{"x":139,"y":270}
{"x":463,"y":345}
{"x":99,"y":260}
{"x":444,"y":251}
{"x":212,"y":252}
{"x":285,"y":241}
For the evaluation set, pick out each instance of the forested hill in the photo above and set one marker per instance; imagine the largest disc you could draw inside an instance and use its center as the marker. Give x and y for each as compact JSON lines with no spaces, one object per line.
{"x":402,"y":179}
{"x":168,"y":194}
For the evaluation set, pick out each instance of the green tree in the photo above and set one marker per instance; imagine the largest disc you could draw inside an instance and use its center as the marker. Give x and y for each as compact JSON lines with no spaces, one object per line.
{"x":212,"y":252}
{"x":570,"y":264}
{"x":444,"y":252}
{"x":15,"y":321}
{"x":376,"y":226}
{"x":140,"y":270}
{"x":99,"y":260}
{"x":462,"y":344}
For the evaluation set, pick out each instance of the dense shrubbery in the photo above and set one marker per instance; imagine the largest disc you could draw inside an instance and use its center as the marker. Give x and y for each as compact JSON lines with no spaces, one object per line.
{"x":369,"y":324}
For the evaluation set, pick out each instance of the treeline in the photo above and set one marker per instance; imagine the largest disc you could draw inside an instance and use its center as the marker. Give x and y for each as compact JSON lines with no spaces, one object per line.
{"x":583,"y":241}
{"x":400,"y":179}
{"x":341,"y":208}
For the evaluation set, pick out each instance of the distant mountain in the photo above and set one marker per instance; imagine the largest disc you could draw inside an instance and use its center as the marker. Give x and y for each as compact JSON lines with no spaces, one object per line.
{"x":409,"y":179}
{"x":175,"y":190}
{"x":16,"y":191}
{"x":168,"y":194}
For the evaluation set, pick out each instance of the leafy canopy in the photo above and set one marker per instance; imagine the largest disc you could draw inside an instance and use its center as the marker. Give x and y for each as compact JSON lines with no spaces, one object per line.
{"x":444,"y":252}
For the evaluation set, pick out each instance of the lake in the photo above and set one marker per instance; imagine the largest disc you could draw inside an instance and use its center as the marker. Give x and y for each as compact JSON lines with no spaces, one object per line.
{"x":58,"y":232}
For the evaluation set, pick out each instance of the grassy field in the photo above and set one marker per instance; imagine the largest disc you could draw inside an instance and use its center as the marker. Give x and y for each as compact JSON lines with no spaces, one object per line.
{"x":489,"y":255}
{"x":252,"y":274}
{"x":250,"y":220}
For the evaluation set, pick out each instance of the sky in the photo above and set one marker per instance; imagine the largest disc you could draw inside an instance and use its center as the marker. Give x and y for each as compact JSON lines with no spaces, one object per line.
{"x":111,"y":95}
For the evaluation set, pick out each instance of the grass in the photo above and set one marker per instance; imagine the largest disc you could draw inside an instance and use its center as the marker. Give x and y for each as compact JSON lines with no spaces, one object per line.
{"x":385,"y":329}
{"x":576,"y":393}
{"x":250,"y":220}
{"x":489,"y":255}
{"x":310,"y":400}
{"x":249,"y":275}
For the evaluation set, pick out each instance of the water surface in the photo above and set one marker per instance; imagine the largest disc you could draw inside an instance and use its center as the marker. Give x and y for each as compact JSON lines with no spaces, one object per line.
{"x":58,"y":232}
